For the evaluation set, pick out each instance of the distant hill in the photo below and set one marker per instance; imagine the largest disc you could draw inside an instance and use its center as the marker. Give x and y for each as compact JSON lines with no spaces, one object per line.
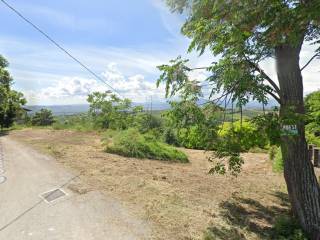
{"x":82,"y":108}
{"x":156,"y":106}
{"x":62,"y":109}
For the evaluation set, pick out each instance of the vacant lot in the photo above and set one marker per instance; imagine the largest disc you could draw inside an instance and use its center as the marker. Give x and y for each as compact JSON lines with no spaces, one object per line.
{"x":180,"y":200}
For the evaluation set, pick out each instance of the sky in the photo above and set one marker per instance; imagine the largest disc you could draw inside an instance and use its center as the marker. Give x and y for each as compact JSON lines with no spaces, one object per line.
{"x":121,"y":41}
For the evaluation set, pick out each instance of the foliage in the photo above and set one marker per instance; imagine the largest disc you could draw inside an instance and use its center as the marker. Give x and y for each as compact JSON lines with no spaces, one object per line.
{"x":131,"y":143}
{"x":277,"y":163}
{"x":194,"y":125}
{"x":79,"y":122}
{"x":43,"y":118}
{"x":242,"y":34}
{"x":145,"y":122}
{"x":286,"y":228}
{"x":269,"y":124}
{"x":10,"y":100}
{"x":312,"y":105}
{"x":109,"y":111}
{"x":246,"y":134}
{"x":170,"y":137}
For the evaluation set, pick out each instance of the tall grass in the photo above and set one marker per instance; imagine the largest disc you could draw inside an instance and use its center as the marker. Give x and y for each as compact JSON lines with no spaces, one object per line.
{"x":131,"y":143}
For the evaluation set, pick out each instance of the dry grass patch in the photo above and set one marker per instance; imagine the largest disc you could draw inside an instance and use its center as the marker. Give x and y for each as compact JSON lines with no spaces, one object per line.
{"x":181,"y":200}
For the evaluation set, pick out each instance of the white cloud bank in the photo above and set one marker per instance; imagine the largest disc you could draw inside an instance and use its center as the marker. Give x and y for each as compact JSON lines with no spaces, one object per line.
{"x":73,"y":90}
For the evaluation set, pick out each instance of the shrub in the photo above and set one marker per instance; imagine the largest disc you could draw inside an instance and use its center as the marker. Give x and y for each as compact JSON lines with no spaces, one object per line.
{"x":193,"y":137}
{"x":170,"y":137}
{"x":131,"y":143}
{"x":145,"y":122}
{"x":247,"y":135}
{"x":286,"y":228}
{"x":43,"y":118}
{"x":312,"y":134}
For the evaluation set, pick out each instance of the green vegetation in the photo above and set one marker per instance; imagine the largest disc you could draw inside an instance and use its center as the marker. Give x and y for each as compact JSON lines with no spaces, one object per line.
{"x":43,"y":118}
{"x":79,"y":122}
{"x":11,"y":101}
{"x":246,"y":134}
{"x":242,"y":34}
{"x":109,"y":111}
{"x":287,"y":228}
{"x":131,"y":143}
{"x":312,"y":105}
{"x":277,"y":163}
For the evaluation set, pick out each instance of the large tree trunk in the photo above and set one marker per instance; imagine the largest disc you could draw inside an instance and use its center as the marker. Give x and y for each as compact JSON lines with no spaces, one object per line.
{"x":299,"y":174}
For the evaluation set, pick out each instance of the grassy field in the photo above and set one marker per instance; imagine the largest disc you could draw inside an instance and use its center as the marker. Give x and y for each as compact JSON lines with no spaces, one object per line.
{"x":181,"y":201}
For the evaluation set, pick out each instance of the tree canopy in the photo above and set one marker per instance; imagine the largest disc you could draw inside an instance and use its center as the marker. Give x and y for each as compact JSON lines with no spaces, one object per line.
{"x":242,"y":34}
{"x":10,"y":100}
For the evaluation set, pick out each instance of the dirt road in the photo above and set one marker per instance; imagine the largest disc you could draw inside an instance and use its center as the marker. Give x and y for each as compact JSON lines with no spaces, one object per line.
{"x":25,"y":175}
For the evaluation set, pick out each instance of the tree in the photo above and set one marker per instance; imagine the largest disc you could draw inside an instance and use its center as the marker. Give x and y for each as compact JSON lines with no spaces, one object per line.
{"x":242,"y":34}
{"x":10,"y":100}
{"x":43,"y":118}
{"x":312,"y":104}
{"x":109,"y":111}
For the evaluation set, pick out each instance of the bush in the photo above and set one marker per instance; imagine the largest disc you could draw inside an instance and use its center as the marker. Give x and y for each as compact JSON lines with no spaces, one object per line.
{"x":43,"y":118}
{"x":131,"y":143}
{"x":170,"y":137}
{"x":247,"y":135}
{"x":145,"y":122}
{"x":312,"y":134}
{"x":195,"y":137}
{"x":286,"y":228}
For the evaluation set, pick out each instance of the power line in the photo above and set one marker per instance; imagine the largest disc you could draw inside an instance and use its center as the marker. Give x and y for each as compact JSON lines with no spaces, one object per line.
{"x":59,"y":46}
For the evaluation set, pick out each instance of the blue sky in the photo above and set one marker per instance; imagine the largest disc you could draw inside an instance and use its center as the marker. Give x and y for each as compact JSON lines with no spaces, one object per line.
{"x":122,"y":41}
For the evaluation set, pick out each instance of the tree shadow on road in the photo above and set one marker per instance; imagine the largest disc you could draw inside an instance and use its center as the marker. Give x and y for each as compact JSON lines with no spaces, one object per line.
{"x":243,"y":217}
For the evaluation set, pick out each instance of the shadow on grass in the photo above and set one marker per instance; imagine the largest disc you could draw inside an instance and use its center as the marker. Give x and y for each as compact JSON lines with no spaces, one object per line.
{"x":245,"y":216}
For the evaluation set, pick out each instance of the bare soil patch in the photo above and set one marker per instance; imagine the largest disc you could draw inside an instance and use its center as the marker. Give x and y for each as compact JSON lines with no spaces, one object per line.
{"x":181,"y":200}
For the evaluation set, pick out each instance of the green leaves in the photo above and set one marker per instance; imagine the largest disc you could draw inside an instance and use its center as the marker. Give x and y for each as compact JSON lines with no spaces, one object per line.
{"x":109,"y":111}
{"x":10,"y":100}
{"x":241,"y":34}
{"x":43,"y":118}
{"x":175,"y":77}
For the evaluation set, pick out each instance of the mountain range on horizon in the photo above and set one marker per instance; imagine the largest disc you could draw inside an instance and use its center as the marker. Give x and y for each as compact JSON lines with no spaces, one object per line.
{"x":156,"y":106}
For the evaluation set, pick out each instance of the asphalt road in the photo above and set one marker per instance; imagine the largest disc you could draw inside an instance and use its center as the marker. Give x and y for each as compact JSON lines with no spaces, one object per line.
{"x":25,"y":175}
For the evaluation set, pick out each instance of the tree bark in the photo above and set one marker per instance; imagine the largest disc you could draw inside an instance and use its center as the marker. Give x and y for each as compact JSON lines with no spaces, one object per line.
{"x":299,"y":174}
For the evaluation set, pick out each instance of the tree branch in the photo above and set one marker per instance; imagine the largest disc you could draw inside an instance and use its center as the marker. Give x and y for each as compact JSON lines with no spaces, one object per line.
{"x":274,"y":96}
{"x":200,"y":68}
{"x":311,"y":59}
{"x":258,"y":69}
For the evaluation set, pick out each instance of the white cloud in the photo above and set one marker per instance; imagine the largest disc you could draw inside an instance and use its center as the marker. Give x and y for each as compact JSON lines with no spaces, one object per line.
{"x":76,"y":89}
{"x":66,"y":90}
{"x":135,"y":87}
{"x":47,"y":76}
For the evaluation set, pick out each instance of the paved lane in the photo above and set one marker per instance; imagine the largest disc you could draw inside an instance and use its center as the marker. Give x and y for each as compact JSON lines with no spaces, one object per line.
{"x":25,"y":215}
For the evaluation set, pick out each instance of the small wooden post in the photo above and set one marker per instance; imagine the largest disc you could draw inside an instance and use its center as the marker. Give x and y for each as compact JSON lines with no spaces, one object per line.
{"x":316,"y":155}
{"x":310,"y":151}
